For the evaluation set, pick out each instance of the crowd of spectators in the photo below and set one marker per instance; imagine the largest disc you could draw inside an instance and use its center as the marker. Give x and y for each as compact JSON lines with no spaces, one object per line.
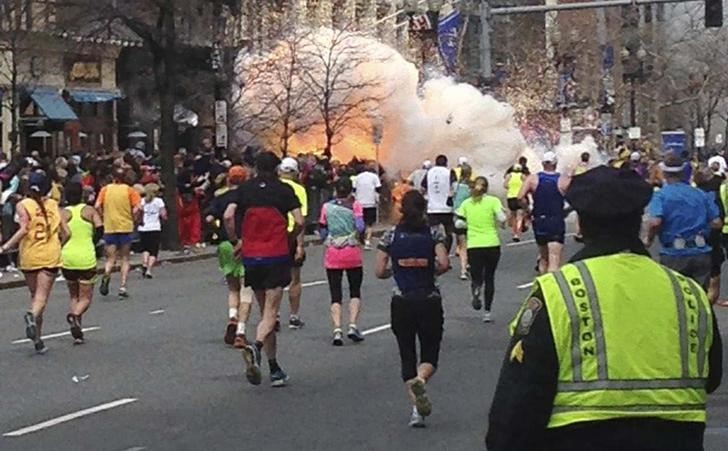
{"x":199,"y":174}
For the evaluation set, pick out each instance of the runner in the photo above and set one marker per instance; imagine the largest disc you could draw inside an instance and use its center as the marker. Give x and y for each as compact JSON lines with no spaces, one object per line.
{"x":547,"y":188}
{"x":461,"y":190}
{"x":289,"y":175}
{"x":263,"y":203}
{"x":239,"y":297}
{"x":340,"y":226}
{"x":79,"y":256}
{"x":513,"y":184}
{"x":118,"y":204}
{"x":366,"y":190}
{"x":418,"y":255}
{"x":150,"y":230}
{"x":41,"y":234}
{"x":480,"y":215}
{"x":438,"y":190}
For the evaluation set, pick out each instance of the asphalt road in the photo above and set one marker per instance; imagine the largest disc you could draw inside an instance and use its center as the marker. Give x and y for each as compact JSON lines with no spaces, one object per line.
{"x":156,"y":375}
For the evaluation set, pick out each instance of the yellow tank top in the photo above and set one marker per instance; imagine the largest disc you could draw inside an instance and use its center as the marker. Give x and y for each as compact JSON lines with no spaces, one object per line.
{"x":79,"y":252}
{"x":515,"y":182}
{"x":41,"y":247}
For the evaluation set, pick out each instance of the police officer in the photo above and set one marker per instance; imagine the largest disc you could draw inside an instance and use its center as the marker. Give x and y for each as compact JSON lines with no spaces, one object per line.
{"x":417,"y":254}
{"x":613,"y":351}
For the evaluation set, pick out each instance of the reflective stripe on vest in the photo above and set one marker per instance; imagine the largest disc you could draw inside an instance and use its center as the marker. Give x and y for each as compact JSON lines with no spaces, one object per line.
{"x":723,"y":194}
{"x":632,"y":343}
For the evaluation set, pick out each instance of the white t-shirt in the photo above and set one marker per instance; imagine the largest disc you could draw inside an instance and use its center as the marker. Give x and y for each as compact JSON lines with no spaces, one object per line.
{"x":152,"y":221}
{"x":721,"y":162}
{"x":438,"y":190}
{"x":365,"y":186}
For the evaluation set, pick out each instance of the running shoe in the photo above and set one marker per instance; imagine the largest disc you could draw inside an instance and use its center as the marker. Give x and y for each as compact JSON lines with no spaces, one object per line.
{"x":230,"y":330}
{"x":354,"y":335}
{"x":278,"y":378}
{"x":240,"y":342}
{"x":295,"y":323}
{"x":104,"y":286}
{"x":463,"y":276}
{"x":416,"y":420}
{"x":31,"y":329}
{"x":422,"y":401}
{"x":40,"y":347}
{"x":251,"y":355}
{"x":516,"y":239}
{"x":123,"y":294}
{"x":144,"y":272}
{"x":367,"y":245}
{"x":338,"y":339}
{"x":578,"y":238}
{"x":486,"y":317}
{"x":477,"y":303}
{"x":75,"y":324}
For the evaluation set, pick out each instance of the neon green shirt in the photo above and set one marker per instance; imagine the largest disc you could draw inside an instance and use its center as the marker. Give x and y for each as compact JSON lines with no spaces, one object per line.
{"x":300,"y":192}
{"x":481,"y":217}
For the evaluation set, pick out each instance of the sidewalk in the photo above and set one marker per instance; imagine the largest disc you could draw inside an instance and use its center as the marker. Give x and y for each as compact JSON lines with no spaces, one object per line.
{"x":15,"y":279}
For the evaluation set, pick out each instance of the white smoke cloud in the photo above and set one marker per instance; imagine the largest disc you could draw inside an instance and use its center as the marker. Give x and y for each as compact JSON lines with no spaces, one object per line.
{"x":421,"y":122}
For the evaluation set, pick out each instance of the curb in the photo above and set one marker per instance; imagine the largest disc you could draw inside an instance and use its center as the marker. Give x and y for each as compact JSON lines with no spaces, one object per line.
{"x":174,"y":259}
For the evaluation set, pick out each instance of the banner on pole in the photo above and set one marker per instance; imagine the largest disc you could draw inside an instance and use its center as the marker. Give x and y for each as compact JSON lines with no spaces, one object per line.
{"x":448,"y":30}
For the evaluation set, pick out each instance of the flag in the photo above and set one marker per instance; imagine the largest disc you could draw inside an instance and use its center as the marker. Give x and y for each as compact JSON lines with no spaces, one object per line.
{"x":448,"y":31}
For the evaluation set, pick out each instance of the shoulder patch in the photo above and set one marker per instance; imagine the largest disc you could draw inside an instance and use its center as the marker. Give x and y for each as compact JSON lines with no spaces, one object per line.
{"x":531,"y":309}
{"x":517,"y":352}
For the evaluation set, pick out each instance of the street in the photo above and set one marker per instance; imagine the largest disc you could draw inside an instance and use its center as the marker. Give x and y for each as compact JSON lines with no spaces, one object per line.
{"x":154,"y":373}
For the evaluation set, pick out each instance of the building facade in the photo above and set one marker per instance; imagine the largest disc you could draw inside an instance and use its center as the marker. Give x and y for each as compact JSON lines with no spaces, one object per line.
{"x":59,"y":85}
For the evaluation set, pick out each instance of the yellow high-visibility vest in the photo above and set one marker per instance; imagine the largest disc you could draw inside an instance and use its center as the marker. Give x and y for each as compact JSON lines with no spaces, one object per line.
{"x":724,"y":201}
{"x":632,"y":339}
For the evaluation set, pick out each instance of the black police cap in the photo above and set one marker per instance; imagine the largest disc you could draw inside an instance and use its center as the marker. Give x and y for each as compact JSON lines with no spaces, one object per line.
{"x":605,"y":192}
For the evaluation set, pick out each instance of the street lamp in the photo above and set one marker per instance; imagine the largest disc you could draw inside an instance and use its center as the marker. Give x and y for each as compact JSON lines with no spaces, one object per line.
{"x":633,"y":58}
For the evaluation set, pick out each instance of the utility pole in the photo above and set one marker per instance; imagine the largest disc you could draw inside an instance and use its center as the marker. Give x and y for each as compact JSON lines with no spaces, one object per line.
{"x":486,"y":63}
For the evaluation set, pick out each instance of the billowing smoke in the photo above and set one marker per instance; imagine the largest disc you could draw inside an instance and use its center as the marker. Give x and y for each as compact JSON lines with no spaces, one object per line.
{"x":419,"y":122}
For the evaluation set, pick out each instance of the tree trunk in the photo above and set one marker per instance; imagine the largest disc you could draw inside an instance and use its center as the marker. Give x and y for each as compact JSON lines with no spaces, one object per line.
{"x":165,"y":80}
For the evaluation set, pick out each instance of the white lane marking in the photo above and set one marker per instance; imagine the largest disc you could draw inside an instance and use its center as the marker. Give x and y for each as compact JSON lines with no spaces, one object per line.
{"x":59,"y":334}
{"x":525,"y":285}
{"x":136,"y":448}
{"x":157,"y":312}
{"x":69,"y":417}
{"x":521,"y":243}
{"x":311,"y":284}
{"x":376,"y":329}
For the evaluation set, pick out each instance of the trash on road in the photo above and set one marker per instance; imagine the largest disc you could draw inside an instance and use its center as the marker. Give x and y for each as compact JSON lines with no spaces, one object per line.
{"x":78,"y":379}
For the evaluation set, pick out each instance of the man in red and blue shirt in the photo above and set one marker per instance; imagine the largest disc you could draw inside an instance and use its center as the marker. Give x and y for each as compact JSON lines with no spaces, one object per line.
{"x":261,"y":206}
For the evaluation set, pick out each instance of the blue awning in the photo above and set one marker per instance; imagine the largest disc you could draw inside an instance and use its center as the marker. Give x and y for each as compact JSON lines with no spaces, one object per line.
{"x":94,"y":95}
{"x":52,"y":104}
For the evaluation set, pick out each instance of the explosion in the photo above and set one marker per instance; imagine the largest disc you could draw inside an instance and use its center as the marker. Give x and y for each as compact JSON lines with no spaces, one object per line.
{"x":418,"y":122}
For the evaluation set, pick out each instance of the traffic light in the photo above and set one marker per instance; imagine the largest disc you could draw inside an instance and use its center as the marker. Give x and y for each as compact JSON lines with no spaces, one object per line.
{"x":713,"y":13}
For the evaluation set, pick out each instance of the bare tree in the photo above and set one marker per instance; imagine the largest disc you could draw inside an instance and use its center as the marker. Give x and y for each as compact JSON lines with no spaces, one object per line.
{"x":21,"y":29}
{"x":291,"y":102}
{"x":270,"y":96}
{"x":337,"y":81}
{"x":156,"y":24}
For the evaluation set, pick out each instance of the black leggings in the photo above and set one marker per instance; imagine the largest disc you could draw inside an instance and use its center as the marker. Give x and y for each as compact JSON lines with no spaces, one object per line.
{"x":483,"y":262}
{"x":335,"y":276}
{"x":417,"y":318}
